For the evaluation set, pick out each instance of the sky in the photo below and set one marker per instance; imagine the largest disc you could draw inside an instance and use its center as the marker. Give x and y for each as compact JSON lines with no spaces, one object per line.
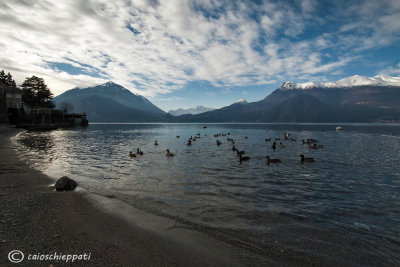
{"x":180,"y":54}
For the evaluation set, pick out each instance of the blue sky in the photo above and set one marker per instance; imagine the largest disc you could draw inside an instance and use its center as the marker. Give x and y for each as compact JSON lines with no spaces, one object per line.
{"x":180,"y":54}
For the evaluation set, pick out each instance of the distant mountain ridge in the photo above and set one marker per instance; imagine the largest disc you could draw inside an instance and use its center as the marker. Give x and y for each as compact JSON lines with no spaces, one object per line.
{"x":352,"y":99}
{"x":110,"y":102}
{"x":195,"y":110}
{"x":349,"y":82}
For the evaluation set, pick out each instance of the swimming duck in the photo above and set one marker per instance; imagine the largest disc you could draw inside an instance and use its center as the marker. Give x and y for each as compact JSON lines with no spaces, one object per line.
{"x":281,"y":145}
{"x":177,"y":136}
{"x":309,"y":141}
{"x":286,"y":135}
{"x":243,"y":158}
{"x":218,"y":143}
{"x":267,"y":139}
{"x":169,"y":154}
{"x":314,"y":146}
{"x":234,"y":148}
{"x":245,"y":137}
{"x":189,"y":143}
{"x":132,"y":155}
{"x":155,"y":143}
{"x":269,"y":160}
{"x":138,"y":152}
{"x":229,"y":139}
{"x":304,"y":159}
{"x":273,"y":145}
{"x":240,"y":153}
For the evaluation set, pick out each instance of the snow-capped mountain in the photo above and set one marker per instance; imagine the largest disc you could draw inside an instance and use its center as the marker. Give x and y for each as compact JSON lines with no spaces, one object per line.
{"x":349,"y":82}
{"x":196,"y":110}
{"x":353,"y":99}
{"x":241,"y":101}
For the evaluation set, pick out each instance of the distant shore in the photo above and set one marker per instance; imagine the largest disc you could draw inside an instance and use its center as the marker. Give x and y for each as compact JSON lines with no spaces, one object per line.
{"x":37,"y":220}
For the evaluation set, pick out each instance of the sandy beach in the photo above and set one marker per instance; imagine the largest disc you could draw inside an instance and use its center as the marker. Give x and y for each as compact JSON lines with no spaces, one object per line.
{"x":37,"y":220}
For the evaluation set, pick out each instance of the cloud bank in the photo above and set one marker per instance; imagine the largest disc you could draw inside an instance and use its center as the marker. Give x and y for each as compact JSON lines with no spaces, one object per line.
{"x":156,"y":47}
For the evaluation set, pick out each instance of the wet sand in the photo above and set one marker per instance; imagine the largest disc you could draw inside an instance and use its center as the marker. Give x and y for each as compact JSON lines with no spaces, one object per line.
{"x":35,"y":219}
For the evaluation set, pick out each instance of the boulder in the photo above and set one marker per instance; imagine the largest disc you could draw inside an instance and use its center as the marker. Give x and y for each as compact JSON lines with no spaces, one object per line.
{"x":65,"y":184}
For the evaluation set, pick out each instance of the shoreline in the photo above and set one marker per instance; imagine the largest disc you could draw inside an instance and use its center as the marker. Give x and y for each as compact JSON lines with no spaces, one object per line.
{"x":35,"y":219}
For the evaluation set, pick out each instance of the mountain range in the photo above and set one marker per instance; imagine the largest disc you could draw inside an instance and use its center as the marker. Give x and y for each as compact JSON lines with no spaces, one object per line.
{"x":353,"y":99}
{"x":110,"y":102}
{"x":196,"y":110}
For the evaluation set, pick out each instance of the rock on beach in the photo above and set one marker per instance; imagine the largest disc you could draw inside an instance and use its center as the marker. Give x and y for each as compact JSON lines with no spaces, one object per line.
{"x":65,"y":184}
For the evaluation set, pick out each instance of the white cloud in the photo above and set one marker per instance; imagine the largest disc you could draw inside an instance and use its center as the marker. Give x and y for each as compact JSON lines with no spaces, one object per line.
{"x":390,"y":71}
{"x":174,"y":42}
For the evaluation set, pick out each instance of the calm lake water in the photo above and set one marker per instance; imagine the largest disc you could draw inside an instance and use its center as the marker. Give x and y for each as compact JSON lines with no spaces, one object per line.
{"x":344,"y":208}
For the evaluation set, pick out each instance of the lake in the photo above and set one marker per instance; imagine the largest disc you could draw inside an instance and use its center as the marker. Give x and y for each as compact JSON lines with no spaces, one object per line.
{"x":344,"y":208}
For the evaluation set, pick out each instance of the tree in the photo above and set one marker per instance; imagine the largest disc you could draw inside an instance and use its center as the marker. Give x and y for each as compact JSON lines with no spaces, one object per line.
{"x":7,"y":79}
{"x":36,"y":94}
{"x":66,"y":107}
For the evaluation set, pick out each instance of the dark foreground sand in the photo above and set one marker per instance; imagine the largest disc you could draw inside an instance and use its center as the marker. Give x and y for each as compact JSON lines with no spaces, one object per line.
{"x":35,"y":219}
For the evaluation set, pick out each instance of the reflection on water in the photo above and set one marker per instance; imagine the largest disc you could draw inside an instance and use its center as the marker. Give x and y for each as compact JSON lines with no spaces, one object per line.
{"x":36,"y":141}
{"x":346,"y":202}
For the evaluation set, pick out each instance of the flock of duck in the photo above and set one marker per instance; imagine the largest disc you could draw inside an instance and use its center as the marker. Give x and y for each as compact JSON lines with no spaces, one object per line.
{"x":312,"y":144}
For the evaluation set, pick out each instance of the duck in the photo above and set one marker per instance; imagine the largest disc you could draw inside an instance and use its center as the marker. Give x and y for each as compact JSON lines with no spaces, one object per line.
{"x":189,"y":143}
{"x":132,"y":155}
{"x":138,"y":152}
{"x":286,"y":135}
{"x":218,"y":143}
{"x":234,"y":148}
{"x":269,"y":160}
{"x":314,"y":146}
{"x":267,"y":139}
{"x":229,"y":139}
{"x":155,"y":143}
{"x":243,"y":158}
{"x":239,"y":153}
{"x":273,"y":145}
{"x":178,"y":136}
{"x":309,"y":141}
{"x":245,"y":137}
{"x":306,"y":159}
{"x":281,"y":145}
{"x":169,"y":154}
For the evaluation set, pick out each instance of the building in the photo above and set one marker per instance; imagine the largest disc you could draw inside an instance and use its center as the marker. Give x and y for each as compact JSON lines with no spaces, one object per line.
{"x":10,"y":103}
{"x":12,"y":97}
